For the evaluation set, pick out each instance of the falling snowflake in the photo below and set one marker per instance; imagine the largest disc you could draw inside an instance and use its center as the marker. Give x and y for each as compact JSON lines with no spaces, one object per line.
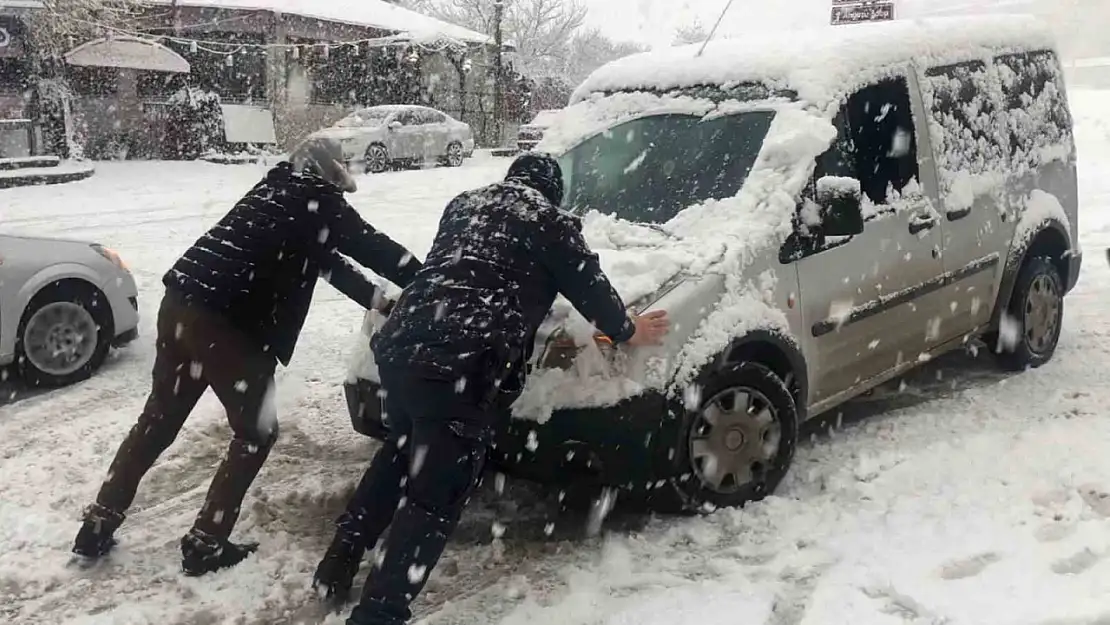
{"x":416,"y":573}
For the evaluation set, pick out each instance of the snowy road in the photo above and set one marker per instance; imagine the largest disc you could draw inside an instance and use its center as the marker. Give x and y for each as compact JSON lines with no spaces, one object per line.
{"x":968,"y":497}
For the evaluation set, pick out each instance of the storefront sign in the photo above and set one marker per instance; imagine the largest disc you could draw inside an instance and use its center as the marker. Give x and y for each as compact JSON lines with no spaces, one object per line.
{"x":856,"y":12}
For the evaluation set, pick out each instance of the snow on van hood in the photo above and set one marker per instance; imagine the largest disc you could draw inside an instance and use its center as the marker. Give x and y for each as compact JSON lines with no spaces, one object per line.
{"x":725,"y":237}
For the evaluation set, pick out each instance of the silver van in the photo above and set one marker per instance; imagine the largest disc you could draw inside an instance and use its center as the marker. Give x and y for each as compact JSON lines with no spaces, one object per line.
{"x":819,"y":213}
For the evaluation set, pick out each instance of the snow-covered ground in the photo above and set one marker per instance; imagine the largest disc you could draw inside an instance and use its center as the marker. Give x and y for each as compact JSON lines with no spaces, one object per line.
{"x":966,"y":496}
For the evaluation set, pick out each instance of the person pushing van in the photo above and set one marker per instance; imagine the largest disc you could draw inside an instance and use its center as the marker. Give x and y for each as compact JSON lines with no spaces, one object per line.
{"x":452,"y":358}
{"x":234,"y":306}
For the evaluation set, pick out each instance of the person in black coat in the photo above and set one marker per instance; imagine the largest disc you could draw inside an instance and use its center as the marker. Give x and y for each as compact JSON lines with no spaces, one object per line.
{"x":451,"y":357}
{"x":234,"y":307}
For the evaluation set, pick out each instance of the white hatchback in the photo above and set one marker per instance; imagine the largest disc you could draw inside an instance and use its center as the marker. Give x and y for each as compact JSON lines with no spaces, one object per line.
{"x":63,"y":305}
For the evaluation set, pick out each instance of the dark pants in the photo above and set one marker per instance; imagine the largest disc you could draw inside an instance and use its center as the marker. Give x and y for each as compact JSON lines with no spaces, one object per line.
{"x":198,"y":349}
{"x":418,"y":483}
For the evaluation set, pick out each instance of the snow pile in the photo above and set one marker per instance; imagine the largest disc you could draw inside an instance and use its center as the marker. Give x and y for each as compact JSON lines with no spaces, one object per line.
{"x":822,"y":63}
{"x":598,"y":113}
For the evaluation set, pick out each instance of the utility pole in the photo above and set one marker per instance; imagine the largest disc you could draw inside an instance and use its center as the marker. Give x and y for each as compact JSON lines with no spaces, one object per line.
{"x":499,"y":73}
{"x":175,"y":15}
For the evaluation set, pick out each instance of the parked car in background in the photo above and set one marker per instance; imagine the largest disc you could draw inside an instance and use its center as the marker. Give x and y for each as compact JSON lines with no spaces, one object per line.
{"x":531,"y":133}
{"x":383,"y":137}
{"x":63,"y":305}
{"x":819,"y":215}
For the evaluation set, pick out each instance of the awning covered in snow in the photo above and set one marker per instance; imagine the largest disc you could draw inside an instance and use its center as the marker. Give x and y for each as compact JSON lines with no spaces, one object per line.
{"x":127,"y":53}
{"x":366,"y":13}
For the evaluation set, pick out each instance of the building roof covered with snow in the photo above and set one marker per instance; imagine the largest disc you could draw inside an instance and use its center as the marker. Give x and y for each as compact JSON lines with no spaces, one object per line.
{"x":822,"y":62}
{"x":365,"y":13}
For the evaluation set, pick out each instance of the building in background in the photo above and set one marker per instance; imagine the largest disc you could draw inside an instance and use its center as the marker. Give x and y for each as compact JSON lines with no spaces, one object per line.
{"x":280,"y":69}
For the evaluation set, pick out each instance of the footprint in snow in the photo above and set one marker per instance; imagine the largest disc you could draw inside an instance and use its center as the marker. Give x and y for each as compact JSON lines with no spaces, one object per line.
{"x":964,"y":568}
{"x":1097,"y":498}
{"x":1054,"y":532}
{"x":1076,"y":564}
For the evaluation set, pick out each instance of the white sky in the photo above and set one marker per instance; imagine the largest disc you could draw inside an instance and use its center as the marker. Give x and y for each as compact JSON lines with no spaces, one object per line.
{"x":654,"y":21}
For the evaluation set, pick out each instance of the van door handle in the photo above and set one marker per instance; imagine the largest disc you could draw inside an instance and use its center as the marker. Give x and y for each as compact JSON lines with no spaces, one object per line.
{"x":922,"y":222}
{"x":957,"y":215}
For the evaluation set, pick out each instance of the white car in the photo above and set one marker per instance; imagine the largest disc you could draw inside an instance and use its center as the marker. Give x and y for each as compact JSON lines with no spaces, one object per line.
{"x":63,"y":305}
{"x":385,"y":136}
{"x":531,"y":133}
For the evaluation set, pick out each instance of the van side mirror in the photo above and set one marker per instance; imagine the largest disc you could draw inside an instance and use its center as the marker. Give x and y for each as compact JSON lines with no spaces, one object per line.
{"x":840,"y":200}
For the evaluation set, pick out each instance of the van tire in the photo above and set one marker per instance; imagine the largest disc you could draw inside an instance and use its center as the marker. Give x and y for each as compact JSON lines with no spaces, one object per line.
{"x":767,"y":464}
{"x":1033,"y":318}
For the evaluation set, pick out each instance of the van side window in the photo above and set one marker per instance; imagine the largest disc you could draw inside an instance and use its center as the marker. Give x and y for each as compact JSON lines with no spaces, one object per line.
{"x":1037,"y":112}
{"x":881,"y":128}
{"x":965,"y":119}
{"x":877,"y":144}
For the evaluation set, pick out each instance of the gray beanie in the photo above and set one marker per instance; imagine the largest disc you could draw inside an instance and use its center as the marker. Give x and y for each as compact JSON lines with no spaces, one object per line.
{"x":324,"y":157}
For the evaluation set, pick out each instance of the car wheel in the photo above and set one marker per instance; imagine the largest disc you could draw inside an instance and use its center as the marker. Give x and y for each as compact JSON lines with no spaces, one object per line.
{"x":1034,"y":317}
{"x":455,"y":155}
{"x":377,"y":159}
{"x":739,"y":443}
{"x":64,"y":335}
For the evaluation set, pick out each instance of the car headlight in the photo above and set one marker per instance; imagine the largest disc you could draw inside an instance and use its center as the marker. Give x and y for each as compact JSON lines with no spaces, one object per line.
{"x":111,"y":255}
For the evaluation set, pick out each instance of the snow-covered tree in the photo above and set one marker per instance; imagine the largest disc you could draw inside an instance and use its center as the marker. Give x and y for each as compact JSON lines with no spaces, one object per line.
{"x":62,"y":24}
{"x":589,"y":50}
{"x":694,"y":32}
{"x":539,"y":30}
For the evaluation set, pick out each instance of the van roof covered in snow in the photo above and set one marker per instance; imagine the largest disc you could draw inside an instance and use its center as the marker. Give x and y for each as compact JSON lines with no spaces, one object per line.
{"x":824,"y":63}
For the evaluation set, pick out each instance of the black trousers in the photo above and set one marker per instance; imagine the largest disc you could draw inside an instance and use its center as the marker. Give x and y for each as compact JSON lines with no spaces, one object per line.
{"x":418,"y":483}
{"x":197,"y":350}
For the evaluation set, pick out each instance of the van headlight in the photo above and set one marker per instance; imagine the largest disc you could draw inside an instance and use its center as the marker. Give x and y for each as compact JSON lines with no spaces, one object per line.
{"x":561,"y":350}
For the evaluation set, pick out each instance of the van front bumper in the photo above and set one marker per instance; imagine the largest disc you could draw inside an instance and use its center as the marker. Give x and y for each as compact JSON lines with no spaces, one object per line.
{"x":631,"y":445}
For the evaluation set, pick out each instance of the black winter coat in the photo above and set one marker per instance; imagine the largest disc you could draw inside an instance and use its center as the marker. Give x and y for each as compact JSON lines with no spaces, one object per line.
{"x":258,"y":266}
{"x":501,"y":256}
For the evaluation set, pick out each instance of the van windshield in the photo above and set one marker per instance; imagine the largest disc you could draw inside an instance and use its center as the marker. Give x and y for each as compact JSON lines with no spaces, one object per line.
{"x":648,"y":170}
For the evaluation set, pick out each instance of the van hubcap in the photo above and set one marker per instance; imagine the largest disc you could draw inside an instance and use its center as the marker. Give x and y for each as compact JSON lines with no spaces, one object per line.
{"x":734,"y":438}
{"x":60,"y":338}
{"x":1042,"y":313}
{"x":454,"y":155}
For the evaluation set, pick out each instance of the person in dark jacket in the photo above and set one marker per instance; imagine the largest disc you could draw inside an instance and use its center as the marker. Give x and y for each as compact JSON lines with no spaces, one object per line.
{"x":452,"y":357}
{"x":234,"y":307}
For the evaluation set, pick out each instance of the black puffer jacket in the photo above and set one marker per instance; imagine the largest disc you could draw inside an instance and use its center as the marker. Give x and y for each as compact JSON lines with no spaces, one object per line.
{"x":258,"y":266}
{"x":501,"y":256}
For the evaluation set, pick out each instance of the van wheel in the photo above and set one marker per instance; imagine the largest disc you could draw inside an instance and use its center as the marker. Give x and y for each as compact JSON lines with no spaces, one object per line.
{"x":1033,"y":319}
{"x":64,"y":335}
{"x":739,"y":444}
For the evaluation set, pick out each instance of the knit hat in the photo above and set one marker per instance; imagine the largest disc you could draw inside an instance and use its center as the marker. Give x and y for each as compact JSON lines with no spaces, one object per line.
{"x":324,"y":157}
{"x":541,"y":172}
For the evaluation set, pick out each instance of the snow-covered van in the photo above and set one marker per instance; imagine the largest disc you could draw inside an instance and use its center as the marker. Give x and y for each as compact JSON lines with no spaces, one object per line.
{"x":819,"y":213}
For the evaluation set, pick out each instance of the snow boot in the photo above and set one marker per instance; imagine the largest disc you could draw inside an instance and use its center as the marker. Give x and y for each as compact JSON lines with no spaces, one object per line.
{"x":202,"y":553}
{"x":95,"y":538}
{"x":336,"y":572}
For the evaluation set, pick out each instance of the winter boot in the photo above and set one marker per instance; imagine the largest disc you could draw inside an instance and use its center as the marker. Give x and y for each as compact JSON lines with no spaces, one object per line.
{"x":203,"y":553}
{"x":95,"y":536}
{"x":336,"y":573}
